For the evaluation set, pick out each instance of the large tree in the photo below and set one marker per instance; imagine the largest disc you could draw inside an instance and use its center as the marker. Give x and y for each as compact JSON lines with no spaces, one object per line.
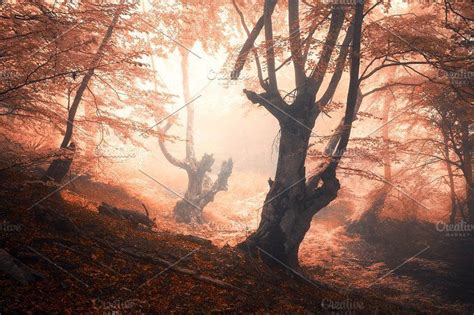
{"x":296,"y":195}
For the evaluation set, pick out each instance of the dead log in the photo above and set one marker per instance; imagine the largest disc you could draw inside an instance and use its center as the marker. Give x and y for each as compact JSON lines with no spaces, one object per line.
{"x":196,"y":239}
{"x":17,"y":270}
{"x":132,"y":216}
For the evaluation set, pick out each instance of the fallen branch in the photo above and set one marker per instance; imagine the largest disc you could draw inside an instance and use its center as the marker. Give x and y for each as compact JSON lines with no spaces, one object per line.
{"x":126,"y":214}
{"x":84,"y":256}
{"x":146,"y":210}
{"x":153,"y":259}
{"x":186,"y":271}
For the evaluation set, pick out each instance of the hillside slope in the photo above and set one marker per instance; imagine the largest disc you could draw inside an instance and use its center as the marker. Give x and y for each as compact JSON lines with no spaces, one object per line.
{"x":94,"y":264}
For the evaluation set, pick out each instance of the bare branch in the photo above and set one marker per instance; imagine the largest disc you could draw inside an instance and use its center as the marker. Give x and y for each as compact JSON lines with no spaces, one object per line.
{"x":295,"y":42}
{"x":161,"y":141}
{"x":257,"y":60}
{"x":354,"y":91}
{"x":269,"y":49}
{"x":336,"y":77}
{"x":319,"y":71}
{"x":275,"y":105}
{"x":249,"y":43}
{"x":219,"y":185}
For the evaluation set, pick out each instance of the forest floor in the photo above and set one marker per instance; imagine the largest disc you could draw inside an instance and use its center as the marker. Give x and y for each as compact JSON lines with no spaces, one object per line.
{"x":409,"y":263}
{"x":93,"y":264}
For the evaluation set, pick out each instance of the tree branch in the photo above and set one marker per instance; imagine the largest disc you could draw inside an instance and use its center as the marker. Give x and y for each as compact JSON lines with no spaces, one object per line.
{"x":161,"y":141}
{"x":295,"y":42}
{"x":219,"y":185}
{"x":257,"y":60}
{"x":319,"y":71}
{"x":354,"y":91}
{"x":275,"y":105}
{"x":269,"y":49}
{"x":336,"y":77}
{"x":249,"y":43}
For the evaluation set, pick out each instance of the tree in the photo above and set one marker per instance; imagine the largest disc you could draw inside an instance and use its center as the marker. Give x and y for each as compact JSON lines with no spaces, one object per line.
{"x":444,"y":99}
{"x":437,"y":103}
{"x":59,"y":168}
{"x":292,"y":200}
{"x":450,"y":116}
{"x":371,"y":217}
{"x":200,"y":190}
{"x":88,"y":55}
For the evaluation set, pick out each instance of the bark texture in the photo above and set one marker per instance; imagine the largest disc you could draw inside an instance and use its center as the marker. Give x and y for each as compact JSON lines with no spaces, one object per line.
{"x":454,"y":202}
{"x":468,"y":146}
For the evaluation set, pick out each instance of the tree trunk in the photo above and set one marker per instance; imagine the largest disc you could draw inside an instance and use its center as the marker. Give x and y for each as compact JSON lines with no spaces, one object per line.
{"x":61,"y":168}
{"x":470,"y":201}
{"x":387,"y":162}
{"x":190,"y":107}
{"x":152,"y":57}
{"x":290,"y":206}
{"x":292,"y":201}
{"x":454,"y":206}
{"x":284,"y":220}
{"x":186,"y":210}
{"x":379,"y":201}
{"x":91,"y":149}
{"x":370,"y":219}
{"x":467,"y":144}
{"x":201,"y":191}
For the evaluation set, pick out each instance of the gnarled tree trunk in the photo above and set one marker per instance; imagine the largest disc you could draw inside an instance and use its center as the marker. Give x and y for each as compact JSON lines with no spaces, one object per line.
{"x":200,"y":191}
{"x":295,"y":196}
{"x":288,"y":210}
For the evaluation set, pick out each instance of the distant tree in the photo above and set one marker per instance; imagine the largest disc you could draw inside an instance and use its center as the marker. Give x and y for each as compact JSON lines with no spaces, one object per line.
{"x":186,"y":18}
{"x":437,"y":88}
{"x":448,"y":120}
